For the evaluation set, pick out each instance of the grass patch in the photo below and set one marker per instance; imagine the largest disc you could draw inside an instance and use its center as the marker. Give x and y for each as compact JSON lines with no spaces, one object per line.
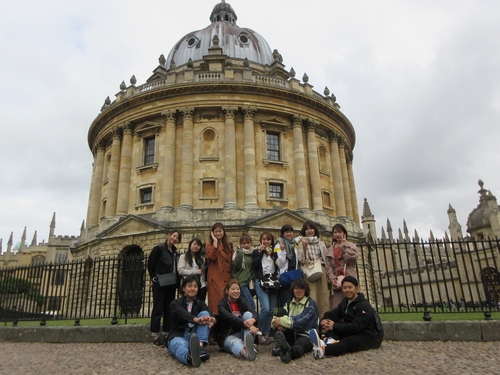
{"x":83,"y":322}
{"x":417,"y":317}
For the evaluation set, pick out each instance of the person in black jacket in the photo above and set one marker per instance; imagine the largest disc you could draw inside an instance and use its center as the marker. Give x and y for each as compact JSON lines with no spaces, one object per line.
{"x":350,"y":327}
{"x":162,"y":260}
{"x":190,"y":325}
{"x":237,"y":323}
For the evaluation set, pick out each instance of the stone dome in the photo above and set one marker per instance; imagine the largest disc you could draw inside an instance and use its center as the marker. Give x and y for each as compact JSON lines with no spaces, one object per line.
{"x":480,"y":216}
{"x":236,"y":42}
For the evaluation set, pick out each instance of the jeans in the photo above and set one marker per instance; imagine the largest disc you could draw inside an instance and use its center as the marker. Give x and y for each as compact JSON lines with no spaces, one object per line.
{"x":234,"y":343}
{"x":178,"y":347}
{"x":245,"y":292}
{"x":267,"y":302}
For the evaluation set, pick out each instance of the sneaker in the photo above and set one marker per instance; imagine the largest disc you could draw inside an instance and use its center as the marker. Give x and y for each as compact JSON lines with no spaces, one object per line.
{"x":265,"y":340}
{"x":250,"y":352}
{"x":285,"y":350}
{"x":318,"y":344}
{"x":159,"y":341}
{"x":193,"y":358}
{"x":204,"y":355}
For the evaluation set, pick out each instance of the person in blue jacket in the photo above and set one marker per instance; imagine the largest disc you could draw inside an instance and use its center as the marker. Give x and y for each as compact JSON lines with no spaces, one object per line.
{"x":294,"y":321}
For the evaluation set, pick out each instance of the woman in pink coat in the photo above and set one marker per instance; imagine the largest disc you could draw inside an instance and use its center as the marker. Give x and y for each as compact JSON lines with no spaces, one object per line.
{"x":340,"y":261}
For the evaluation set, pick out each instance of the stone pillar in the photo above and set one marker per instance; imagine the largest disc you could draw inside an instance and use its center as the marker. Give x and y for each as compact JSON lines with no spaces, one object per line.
{"x":312,"y":156}
{"x":187,"y":158}
{"x":114,"y":167}
{"x":300,"y":164}
{"x":249,"y":158}
{"x":229,"y":158}
{"x":354,"y":198}
{"x":338,"y":185}
{"x":96,"y":187}
{"x":167,"y":196}
{"x":345,"y":180}
{"x":125,"y":168}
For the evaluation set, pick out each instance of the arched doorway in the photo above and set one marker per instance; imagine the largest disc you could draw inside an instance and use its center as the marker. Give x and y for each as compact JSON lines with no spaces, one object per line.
{"x":131,"y":276}
{"x":491,"y":283}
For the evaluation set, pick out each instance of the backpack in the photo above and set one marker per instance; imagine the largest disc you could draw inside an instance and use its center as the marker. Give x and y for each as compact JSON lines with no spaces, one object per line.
{"x":379,"y":329}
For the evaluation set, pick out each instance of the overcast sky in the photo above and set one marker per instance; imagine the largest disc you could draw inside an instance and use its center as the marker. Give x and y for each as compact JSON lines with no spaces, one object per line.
{"x":419,"y":80}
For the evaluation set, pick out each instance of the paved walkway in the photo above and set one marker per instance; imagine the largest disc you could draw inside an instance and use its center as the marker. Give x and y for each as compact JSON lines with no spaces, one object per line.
{"x":139,"y":358}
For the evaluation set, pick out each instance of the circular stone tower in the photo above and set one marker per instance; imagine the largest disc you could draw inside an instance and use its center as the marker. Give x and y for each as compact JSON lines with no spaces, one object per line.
{"x":220,"y":132}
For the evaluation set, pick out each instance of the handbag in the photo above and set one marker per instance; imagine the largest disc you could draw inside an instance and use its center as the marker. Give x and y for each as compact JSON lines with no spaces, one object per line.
{"x":313,"y":270}
{"x":340,"y":278}
{"x":287,"y":277}
{"x":166,"y":279}
{"x":269,"y":282}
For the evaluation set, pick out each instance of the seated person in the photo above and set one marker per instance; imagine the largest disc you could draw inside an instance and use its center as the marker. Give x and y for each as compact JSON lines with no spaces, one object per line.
{"x":190,"y":325}
{"x":350,"y":327}
{"x":293,"y":322}
{"x":237,"y":323}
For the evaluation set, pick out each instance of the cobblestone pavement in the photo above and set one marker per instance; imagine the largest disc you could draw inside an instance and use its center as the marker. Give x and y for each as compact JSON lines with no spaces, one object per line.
{"x":140,"y":358}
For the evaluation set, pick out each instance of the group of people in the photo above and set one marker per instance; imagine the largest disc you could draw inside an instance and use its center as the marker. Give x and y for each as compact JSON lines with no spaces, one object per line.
{"x":290,"y":304}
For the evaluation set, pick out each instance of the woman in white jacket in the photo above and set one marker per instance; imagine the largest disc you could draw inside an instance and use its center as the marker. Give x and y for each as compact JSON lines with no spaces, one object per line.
{"x":193,"y":263}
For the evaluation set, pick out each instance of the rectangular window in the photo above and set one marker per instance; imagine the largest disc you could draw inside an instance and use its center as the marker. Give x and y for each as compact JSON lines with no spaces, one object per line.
{"x":149,"y":151}
{"x":54,"y":304}
{"x":273,"y":146}
{"x":275,"y":191}
{"x":146,"y":195}
{"x":59,"y":277}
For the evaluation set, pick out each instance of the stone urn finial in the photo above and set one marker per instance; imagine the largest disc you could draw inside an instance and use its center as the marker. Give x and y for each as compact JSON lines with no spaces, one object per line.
{"x":215,"y":41}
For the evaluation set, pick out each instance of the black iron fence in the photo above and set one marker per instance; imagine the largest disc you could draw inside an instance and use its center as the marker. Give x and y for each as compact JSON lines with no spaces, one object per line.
{"x":397,"y":277}
{"x":438,"y":276}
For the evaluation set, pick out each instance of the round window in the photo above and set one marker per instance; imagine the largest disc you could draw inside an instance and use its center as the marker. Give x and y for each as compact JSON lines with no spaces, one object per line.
{"x":243,"y":39}
{"x":191,"y":41}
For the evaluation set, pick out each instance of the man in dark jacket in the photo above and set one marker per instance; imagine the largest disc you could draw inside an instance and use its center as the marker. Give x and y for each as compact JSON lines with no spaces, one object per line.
{"x":350,"y":327}
{"x":191,"y":321}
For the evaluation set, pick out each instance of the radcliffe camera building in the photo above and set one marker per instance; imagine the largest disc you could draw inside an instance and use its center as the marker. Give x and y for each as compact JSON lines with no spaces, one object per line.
{"x":221,"y":131}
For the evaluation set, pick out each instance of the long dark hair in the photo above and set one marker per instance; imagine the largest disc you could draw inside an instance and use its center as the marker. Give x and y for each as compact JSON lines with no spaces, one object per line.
{"x":225,"y":242}
{"x":340,"y":227}
{"x":269,"y":235}
{"x":198,"y":258}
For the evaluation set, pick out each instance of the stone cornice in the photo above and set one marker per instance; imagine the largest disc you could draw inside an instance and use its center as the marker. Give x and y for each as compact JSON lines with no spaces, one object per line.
{"x":179,"y":92}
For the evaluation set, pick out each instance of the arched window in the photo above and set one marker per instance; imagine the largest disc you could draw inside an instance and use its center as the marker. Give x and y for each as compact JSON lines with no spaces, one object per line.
{"x":209,"y":144}
{"x":323,"y":159}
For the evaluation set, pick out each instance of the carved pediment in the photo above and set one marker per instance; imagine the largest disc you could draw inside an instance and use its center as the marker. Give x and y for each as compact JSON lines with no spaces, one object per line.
{"x":148,"y":127}
{"x":131,"y":224}
{"x":276,"y":220}
{"x":274,"y":123}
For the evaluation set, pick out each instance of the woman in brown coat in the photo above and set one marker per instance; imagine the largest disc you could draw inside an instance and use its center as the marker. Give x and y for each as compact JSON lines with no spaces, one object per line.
{"x":340,"y":261}
{"x":219,"y":263}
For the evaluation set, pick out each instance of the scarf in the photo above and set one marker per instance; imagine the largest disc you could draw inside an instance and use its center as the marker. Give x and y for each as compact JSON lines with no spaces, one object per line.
{"x":290,"y":247}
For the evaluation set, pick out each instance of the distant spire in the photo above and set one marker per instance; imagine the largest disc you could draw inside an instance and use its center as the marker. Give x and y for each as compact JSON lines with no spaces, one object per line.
{"x":1,"y":240}
{"x":34,"y":240}
{"x":52,"y":225}
{"x":417,"y":238}
{"x":23,"y":237}
{"x":432,"y":236}
{"x":83,"y":226}
{"x":9,"y":242}
{"x":366,"y":209}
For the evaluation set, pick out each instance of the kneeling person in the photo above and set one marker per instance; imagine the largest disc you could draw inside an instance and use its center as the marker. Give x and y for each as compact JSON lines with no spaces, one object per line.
{"x":350,"y":327}
{"x":190,"y":325}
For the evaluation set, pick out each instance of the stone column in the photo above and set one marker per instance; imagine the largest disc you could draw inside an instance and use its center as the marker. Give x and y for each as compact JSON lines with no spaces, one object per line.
{"x":229,"y":158}
{"x":167,"y":195}
{"x":96,"y":187}
{"x":187,"y":158}
{"x":338,"y":185}
{"x":249,"y":153}
{"x":354,"y":198}
{"x":345,"y":180}
{"x":114,"y":168}
{"x":125,"y":168}
{"x":312,"y":156}
{"x":300,"y":164}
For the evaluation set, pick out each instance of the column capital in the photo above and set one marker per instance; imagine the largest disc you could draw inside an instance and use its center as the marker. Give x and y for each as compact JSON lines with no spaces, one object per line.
{"x":249,"y":112}
{"x":297,"y":120}
{"x":311,"y":124}
{"x":333,"y":136}
{"x":116,"y":133}
{"x":187,"y":112}
{"x":127,"y":127}
{"x":170,"y":115}
{"x":229,"y":111}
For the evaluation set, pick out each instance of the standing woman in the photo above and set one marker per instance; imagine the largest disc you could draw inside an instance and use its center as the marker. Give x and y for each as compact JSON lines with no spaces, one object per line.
{"x":219,"y":261}
{"x":264,"y":264}
{"x":162,"y":260}
{"x":193,"y":263}
{"x":286,"y":248}
{"x":310,"y":250}
{"x":340,"y":261}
